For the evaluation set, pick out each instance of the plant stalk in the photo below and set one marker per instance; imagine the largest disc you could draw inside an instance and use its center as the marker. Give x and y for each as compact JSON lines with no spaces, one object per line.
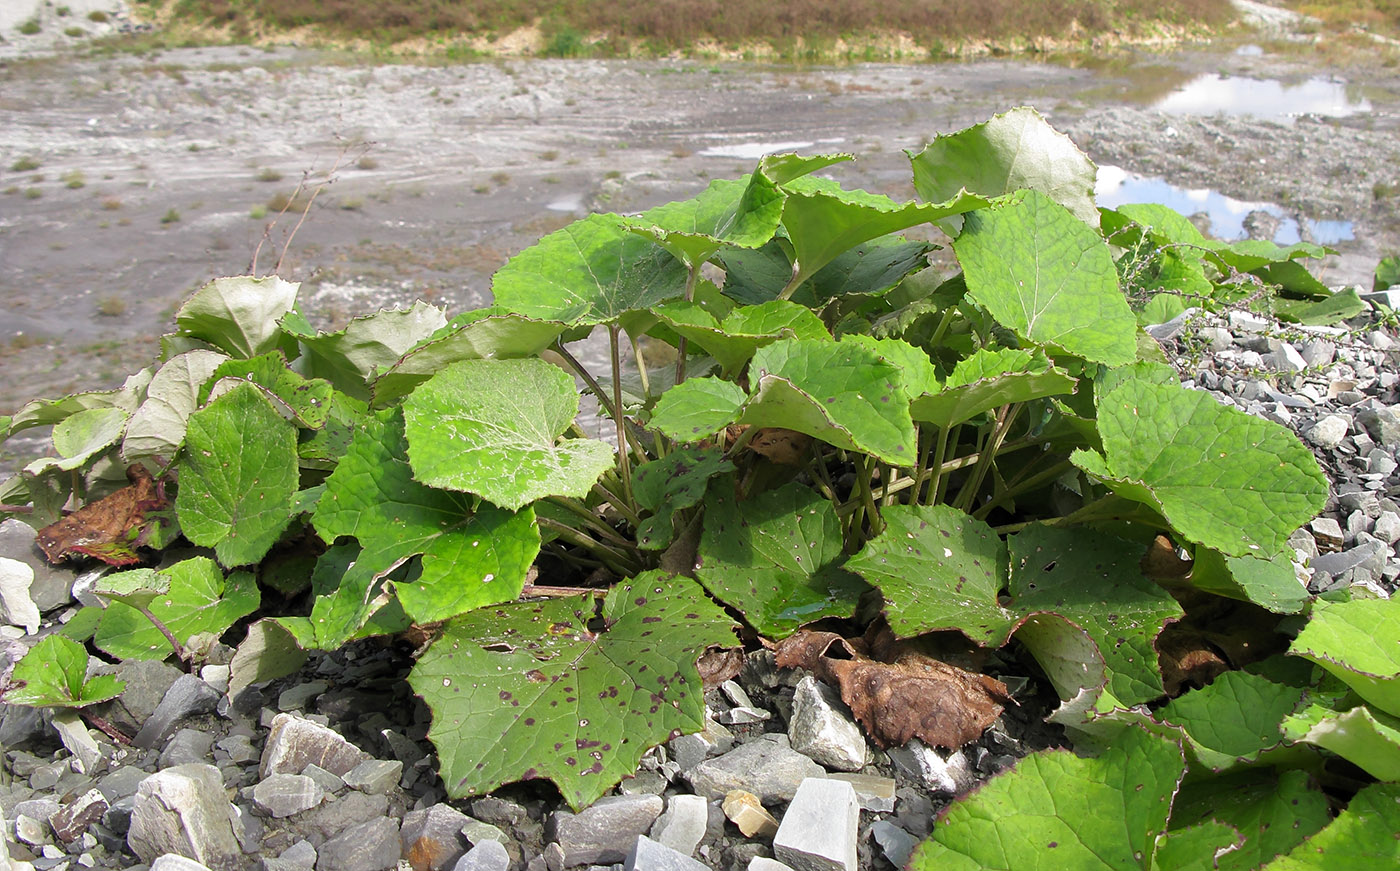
{"x":692,"y":272}
{"x":624,"y":461}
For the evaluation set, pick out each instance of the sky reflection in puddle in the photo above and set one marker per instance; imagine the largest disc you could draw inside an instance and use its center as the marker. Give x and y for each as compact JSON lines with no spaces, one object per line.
{"x":1264,"y":98}
{"x":1117,"y":187}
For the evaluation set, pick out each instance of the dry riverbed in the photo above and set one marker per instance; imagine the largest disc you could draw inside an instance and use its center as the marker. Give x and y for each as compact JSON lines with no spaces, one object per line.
{"x":153,"y":174}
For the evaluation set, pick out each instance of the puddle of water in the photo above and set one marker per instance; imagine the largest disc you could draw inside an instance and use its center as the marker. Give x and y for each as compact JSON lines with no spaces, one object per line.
{"x":567,"y":203}
{"x":751,"y":150}
{"x":1264,"y":98}
{"x":1116,"y":187}
{"x":755,"y":150}
{"x":1250,"y":50}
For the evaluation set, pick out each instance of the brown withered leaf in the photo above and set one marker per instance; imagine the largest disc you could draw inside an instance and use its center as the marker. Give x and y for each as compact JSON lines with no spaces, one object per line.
{"x":939,"y":704}
{"x":1187,"y":661}
{"x":719,"y":664}
{"x":808,"y":648}
{"x":915,"y":697}
{"x":110,"y":528}
{"x":1162,"y":562}
{"x":784,"y":446}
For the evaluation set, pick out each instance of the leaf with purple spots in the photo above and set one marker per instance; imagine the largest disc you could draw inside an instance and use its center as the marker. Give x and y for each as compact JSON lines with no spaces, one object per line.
{"x":543,"y":690}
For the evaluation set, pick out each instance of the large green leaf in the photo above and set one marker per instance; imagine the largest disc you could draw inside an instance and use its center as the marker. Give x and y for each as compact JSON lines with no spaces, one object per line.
{"x":79,"y":438}
{"x":1225,"y":479}
{"x":1056,"y":810}
{"x":490,"y":427}
{"x":824,"y":220}
{"x":1367,"y":739}
{"x":1038,"y":270}
{"x":350,"y":357}
{"x":838,"y":392}
{"x":1270,"y":582}
{"x":304,"y":401}
{"x":672,"y":484}
{"x":744,"y":330}
{"x":697,"y":408}
{"x":470,"y":558}
{"x":1013,"y":151}
{"x":1093,"y":581}
{"x":869,"y":269}
{"x":53,"y":674}
{"x":238,"y":477}
{"x":1273,"y":813}
{"x":200,"y":600}
{"x":1359,"y":642}
{"x":938,"y":568}
{"x":916,"y":371}
{"x":157,"y":429}
{"x":535,"y":690}
{"x":1361,"y":837}
{"x":591,"y":272}
{"x":743,"y":212}
{"x":1233,"y":719}
{"x":989,"y":379}
{"x":47,"y":412}
{"x":239,"y":316}
{"x":476,"y":335}
{"x":776,"y":557}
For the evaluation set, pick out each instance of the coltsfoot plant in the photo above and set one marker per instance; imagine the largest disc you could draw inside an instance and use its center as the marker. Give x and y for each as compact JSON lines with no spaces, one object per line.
{"x":805,"y":422}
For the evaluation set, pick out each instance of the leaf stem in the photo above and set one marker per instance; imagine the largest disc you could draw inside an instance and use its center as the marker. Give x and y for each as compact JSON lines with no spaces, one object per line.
{"x":624,"y":461}
{"x":180,"y":651}
{"x":593,"y":386}
{"x":1006,"y":417}
{"x":616,"y":501}
{"x":642,"y":375}
{"x":1025,"y":486}
{"x":593,"y":521}
{"x":620,"y":563}
{"x":692,"y":272}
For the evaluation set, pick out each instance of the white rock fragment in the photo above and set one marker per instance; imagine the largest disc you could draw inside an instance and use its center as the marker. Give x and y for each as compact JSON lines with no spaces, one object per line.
{"x":823,"y":729}
{"x":820,"y":828}
{"x":1329,"y":431}
{"x":19,"y":609}
{"x":682,"y":826}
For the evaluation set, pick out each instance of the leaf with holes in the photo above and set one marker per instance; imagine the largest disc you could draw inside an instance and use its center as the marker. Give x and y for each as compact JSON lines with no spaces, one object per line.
{"x":200,"y":599}
{"x":1272,"y":812}
{"x":538,"y":690}
{"x":776,"y":558}
{"x":1233,"y":719}
{"x":1358,"y":642}
{"x":53,"y":674}
{"x":1054,"y":807}
{"x":470,"y":556}
{"x":697,"y":408}
{"x":157,"y":429}
{"x":1361,"y":837}
{"x":937,"y":569}
{"x":305,"y":402}
{"x":593,"y":271}
{"x":672,"y":484}
{"x":349,"y":358}
{"x":1038,"y":270}
{"x":490,"y":427}
{"x":1223,"y":478}
{"x":238,"y":477}
{"x":990,"y":379}
{"x":1093,"y":581}
{"x":1013,"y":151}
{"x":239,"y":315}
